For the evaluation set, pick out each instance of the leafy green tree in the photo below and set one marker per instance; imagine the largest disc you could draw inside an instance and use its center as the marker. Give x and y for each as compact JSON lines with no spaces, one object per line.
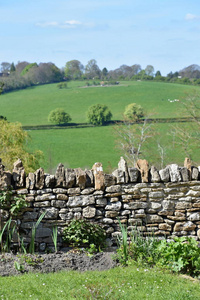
{"x":73,"y":69}
{"x":98,"y":114}
{"x":12,"y":68}
{"x":59,"y":116}
{"x":133,"y":112}
{"x":92,"y":70}
{"x":27,"y":68}
{"x":13,"y":143}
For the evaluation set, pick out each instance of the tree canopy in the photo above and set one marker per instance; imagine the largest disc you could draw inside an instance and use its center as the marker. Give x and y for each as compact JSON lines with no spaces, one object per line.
{"x":98,"y":114}
{"x":133,"y":112}
{"x":59,"y":116}
{"x":13,"y":143}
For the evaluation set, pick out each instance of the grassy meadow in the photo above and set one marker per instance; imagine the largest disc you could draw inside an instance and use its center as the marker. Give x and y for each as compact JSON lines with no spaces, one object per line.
{"x":82,"y":147}
{"x":118,"y":283}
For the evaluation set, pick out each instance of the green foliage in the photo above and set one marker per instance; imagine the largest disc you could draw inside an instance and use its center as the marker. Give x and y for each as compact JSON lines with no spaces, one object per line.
{"x":55,"y":237}
{"x":13,"y":143}
{"x":82,"y":233}
{"x":27,"y":68}
{"x":33,"y":233}
{"x":123,"y":250}
{"x":59,"y":116}
{"x":98,"y":114}
{"x":133,"y":112}
{"x":62,"y":85}
{"x":181,"y":255}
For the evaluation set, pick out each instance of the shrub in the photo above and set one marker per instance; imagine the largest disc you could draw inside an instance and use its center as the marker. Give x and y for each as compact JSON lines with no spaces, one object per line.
{"x":82,"y":233}
{"x":133,"y":112}
{"x":59,"y":116}
{"x":98,"y":114}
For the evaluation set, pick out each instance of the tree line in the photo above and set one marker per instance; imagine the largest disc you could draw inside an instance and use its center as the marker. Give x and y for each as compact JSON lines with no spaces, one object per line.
{"x":25,"y":74}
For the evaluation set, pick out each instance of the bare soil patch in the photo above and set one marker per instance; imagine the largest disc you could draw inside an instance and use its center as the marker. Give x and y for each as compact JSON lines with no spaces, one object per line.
{"x":54,"y":262}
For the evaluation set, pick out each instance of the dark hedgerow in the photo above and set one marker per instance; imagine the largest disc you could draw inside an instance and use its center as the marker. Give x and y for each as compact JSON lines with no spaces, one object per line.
{"x":83,"y":233}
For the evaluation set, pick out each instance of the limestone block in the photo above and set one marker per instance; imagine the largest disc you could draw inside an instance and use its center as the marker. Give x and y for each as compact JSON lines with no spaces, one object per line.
{"x":30,"y":181}
{"x":45,"y":197}
{"x":107,"y":221}
{"x":39,"y":178}
{"x":143,"y":167}
{"x":111,"y":214}
{"x":164,"y":174}
{"x":155,"y":205}
{"x":154,"y":219}
{"x":135,"y":205}
{"x":74,"y":191}
{"x":62,"y":197}
{"x":87,"y":191}
{"x":58,"y":203}
{"x":42,"y":204}
{"x":116,"y":206}
{"x":80,"y":178}
{"x":187,"y":165}
{"x":82,"y":200}
{"x":125,"y":212}
{"x":59,"y":191}
{"x":165,"y":213}
{"x":89,"y":212}
{"x":194,"y":217}
{"x":51,"y":213}
{"x":155,"y":176}
{"x":133,"y":174}
{"x":101,"y":202}
{"x":109,"y":180}
{"x":193,"y":193}
{"x":164,"y":226}
{"x":155,"y":195}
{"x":184,"y":174}
{"x":168,"y":205}
{"x":98,"y":176}
{"x":174,"y":172}
{"x":195,"y":173}
{"x":50,"y":181}
{"x":114,"y":189}
{"x":89,"y":178}
{"x":181,"y":226}
{"x":120,"y":176}
{"x":60,"y":176}
{"x":18,"y":174}
{"x":43,"y":233}
{"x":122,"y":165}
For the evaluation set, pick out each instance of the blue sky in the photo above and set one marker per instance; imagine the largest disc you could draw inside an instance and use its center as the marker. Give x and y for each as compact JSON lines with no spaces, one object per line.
{"x":162,"y":33}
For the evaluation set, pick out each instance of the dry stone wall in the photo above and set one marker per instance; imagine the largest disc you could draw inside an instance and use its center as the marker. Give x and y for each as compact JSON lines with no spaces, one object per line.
{"x":163,"y":202}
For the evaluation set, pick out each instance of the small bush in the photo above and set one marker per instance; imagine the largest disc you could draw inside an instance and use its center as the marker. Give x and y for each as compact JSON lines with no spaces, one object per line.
{"x":133,"y":112}
{"x":59,"y":116}
{"x":98,"y":114}
{"x":82,"y":233}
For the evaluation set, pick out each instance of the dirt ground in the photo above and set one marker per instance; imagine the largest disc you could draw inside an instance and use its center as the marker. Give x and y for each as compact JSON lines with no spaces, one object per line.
{"x":11,"y":264}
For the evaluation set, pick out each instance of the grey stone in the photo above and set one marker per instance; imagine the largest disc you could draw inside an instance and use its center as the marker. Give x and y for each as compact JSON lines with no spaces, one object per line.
{"x":39,"y":178}
{"x":18,"y":174}
{"x":114,"y":189}
{"x":116,"y":206}
{"x":174,"y":172}
{"x":80,"y":178}
{"x":168,"y":205}
{"x":82,"y":200}
{"x":60,"y":176}
{"x":195,"y":173}
{"x":89,"y":178}
{"x":164,"y":174}
{"x":70,"y":178}
{"x":50,"y":181}
{"x":154,"y":219}
{"x":87,"y":191}
{"x":109,"y":180}
{"x":155,"y":176}
{"x":89,"y":212}
{"x":99,"y":179}
{"x":101,"y":202}
{"x":51,"y":213}
{"x":185,"y":174}
{"x":58,"y":203}
{"x":42,"y":204}
{"x":30,"y":181}
{"x":120,"y":176}
{"x":133,"y":174}
{"x":122,"y":165}
{"x":194,"y":217}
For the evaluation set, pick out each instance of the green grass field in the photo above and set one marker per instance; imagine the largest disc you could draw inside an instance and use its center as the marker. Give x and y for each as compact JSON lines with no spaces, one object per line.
{"x":82,"y":147}
{"x":118,"y":283}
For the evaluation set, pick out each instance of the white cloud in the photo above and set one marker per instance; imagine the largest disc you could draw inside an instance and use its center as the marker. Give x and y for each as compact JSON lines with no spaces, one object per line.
{"x":191,"y":17}
{"x":65,"y":24}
